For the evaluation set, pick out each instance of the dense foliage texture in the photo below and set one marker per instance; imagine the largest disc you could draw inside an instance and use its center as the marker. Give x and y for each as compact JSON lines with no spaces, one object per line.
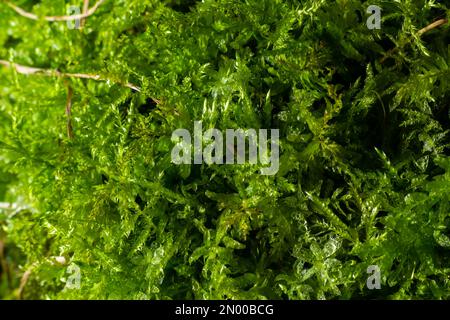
{"x":364,"y":173}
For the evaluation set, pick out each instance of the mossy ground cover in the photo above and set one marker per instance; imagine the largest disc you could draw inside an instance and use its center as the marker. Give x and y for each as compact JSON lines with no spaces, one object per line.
{"x":87,"y":114}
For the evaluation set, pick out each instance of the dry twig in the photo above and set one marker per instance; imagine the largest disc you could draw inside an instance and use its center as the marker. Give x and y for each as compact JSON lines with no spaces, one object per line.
{"x":23,"y":282}
{"x":69,"y":112}
{"x":85,"y":11}
{"x":431,"y":26}
{"x":32,"y":16}
{"x":4,"y":264}
{"x":55,"y":73}
{"x":421,"y":32}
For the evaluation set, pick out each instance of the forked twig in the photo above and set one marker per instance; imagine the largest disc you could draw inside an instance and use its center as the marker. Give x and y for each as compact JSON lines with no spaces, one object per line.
{"x":33,"y":16}
{"x":55,"y":73}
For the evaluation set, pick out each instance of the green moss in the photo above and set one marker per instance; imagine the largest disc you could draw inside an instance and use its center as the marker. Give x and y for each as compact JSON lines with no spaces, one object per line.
{"x":364,"y":173}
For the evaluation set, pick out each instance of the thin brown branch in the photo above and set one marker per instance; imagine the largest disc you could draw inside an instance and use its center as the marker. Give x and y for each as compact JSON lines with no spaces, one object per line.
{"x":85,"y":11}
{"x":26,"y":70}
{"x":23,"y":282}
{"x":421,"y":32}
{"x":388,"y":54}
{"x":432,"y":26}
{"x":69,"y":112}
{"x":4,"y":265}
{"x":33,"y":16}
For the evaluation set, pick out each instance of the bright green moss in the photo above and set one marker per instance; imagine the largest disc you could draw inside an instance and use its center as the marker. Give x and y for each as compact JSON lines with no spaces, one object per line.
{"x":364,"y":173}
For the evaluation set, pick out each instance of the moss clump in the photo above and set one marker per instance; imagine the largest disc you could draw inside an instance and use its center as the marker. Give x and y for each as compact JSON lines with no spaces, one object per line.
{"x":364,"y":173}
